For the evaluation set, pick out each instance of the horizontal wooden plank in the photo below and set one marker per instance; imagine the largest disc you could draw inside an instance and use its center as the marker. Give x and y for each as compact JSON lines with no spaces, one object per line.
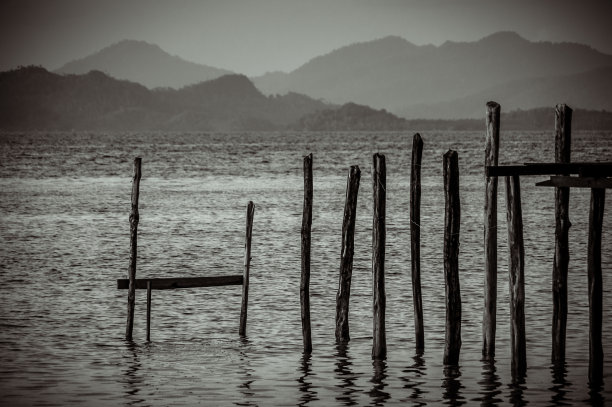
{"x":576,"y":182}
{"x":181,"y":282}
{"x":603,"y":169}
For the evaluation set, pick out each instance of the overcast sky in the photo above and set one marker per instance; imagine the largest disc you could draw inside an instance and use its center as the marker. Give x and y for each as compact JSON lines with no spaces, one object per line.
{"x":256,"y":36}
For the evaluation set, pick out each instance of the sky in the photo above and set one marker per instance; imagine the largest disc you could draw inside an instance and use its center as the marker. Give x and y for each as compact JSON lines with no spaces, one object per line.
{"x":257,"y":36}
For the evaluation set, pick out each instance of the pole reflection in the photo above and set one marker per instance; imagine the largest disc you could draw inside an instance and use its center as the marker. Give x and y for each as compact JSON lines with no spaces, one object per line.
{"x":345,"y":376}
{"x":133,"y":379}
{"x":490,"y":384}
{"x":452,"y":386}
{"x":517,"y":389}
{"x":377,"y":393}
{"x":560,"y":385}
{"x":247,"y":374}
{"x":306,"y":387}
{"x":413,"y":373}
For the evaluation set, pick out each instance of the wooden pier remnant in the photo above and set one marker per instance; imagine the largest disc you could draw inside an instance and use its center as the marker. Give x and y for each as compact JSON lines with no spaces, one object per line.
{"x":452,"y":221}
{"x":563,"y":129}
{"x":247,"y":266}
{"x":516,"y":271}
{"x":490,"y":232}
{"x":134,"y":218}
{"x":306,"y":240}
{"x":595,"y":284}
{"x":168,"y":283}
{"x":415,"y":240}
{"x":379,"y":180}
{"x":346,"y":255}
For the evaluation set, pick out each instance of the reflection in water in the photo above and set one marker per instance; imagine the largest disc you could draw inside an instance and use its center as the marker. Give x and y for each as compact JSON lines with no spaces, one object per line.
{"x":133,"y":379}
{"x":560,"y":385}
{"x":595,"y":396}
{"x":379,"y":396}
{"x":412,"y":382}
{"x":306,"y":388}
{"x":452,"y":386}
{"x":489,"y":384}
{"x":247,"y":375}
{"x":517,"y":389}
{"x":345,"y":376}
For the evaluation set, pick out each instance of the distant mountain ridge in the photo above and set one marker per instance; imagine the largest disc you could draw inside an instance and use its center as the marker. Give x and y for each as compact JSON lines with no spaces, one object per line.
{"x":33,"y":98}
{"x":144,"y":63}
{"x":403,"y":78}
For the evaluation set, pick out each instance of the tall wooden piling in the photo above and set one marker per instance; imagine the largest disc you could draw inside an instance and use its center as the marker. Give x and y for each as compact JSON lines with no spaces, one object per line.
{"x":379,"y":346}
{"x":596,"y":356}
{"x":305,"y":278}
{"x":134,"y":217}
{"x":415,"y":240}
{"x":247,"y":266}
{"x":516,"y":268}
{"x":346,"y":255}
{"x":563,"y":128}
{"x":452,"y":219}
{"x":490,"y":232}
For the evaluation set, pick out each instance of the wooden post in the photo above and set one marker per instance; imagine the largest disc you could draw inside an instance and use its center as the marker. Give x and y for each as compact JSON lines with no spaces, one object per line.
{"x":379,"y":346}
{"x":305,"y":280}
{"x":452,"y":219}
{"x":490,"y":233}
{"x":415,"y":240}
{"x":346,"y":255}
{"x":149,"y":311}
{"x":247,"y":266}
{"x":516,"y":268}
{"x":596,"y":356}
{"x":134,"y":217}
{"x":563,"y":128}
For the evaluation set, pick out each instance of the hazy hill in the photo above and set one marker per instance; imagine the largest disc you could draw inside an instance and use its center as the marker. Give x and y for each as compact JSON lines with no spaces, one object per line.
{"x":145,"y":63}
{"x":401,"y":77}
{"x":592,"y":89}
{"x":33,"y":98}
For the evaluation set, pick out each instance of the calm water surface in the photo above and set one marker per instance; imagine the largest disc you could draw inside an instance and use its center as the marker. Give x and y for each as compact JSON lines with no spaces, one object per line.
{"x":64,"y":230}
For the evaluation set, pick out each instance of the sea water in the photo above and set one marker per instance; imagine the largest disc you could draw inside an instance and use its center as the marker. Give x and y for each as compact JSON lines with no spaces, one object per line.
{"x":64,"y":241}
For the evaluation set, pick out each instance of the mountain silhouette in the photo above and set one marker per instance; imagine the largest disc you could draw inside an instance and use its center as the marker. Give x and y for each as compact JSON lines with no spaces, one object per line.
{"x":401,"y":77}
{"x":144,"y":63}
{"x":32,"y":98}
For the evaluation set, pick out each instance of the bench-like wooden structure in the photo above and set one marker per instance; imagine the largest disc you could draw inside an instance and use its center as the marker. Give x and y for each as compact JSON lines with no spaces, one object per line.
{"x":170,"y":283}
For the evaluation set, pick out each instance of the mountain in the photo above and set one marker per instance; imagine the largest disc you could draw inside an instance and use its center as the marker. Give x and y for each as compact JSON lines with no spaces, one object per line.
{"x":33,"y":98}
{"x":401,"y":77}
{"x":144,"y":63}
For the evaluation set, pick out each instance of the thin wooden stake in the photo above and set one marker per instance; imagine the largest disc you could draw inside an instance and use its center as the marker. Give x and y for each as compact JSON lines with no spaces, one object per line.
{"x":346,"y":255}
{"x":134,"y":217}
{"x":516,"y":268}
{"x":415,"y":240}
{"x":452,"y":219}
{"x":490,"y":232}
{"x":305,"y":279}
{"x":149,"y":311}
{"x":379,"y":177}
{"x":596,"y":356}
{"x":563,"y":128}
{"x":247,"y":266}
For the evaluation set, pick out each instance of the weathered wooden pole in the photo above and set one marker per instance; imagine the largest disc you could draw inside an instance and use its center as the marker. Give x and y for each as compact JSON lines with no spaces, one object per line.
{"x":563,"y":129}
{"x":596,"y":356}
{"x":305,"y":280}
{"x":490,"y":232}
{"x":415,"y":240}
{"x":452,"y":219}
{"x":149,"y":311}
{"x":346,"y":255}
{"x":134,"y":217}
{"x":247,"y":266}
{"x":379,"y":179}
{"x":516,"y":268}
